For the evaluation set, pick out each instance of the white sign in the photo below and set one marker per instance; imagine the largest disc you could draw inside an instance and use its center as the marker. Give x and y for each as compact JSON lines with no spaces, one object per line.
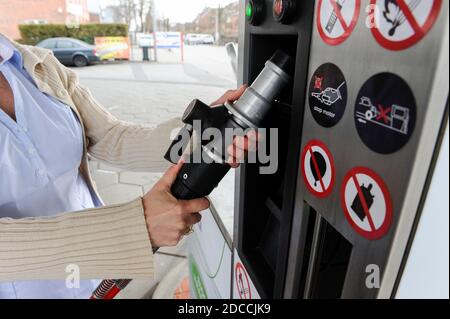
{"x":168,"y":40}
{"x":145,"y":40}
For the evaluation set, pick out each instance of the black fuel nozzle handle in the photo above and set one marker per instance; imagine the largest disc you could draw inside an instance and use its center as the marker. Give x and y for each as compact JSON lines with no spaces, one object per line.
{"x":179,"y":144}
{"x":198,"y":116}
{"x":196,"y":110}
{"x":198,"y":179}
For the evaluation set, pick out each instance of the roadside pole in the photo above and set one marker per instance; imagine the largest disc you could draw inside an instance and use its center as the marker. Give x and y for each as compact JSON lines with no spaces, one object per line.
{"x":155,"y":24}
{"x":217,"y":35}
{"x":182,"y":46}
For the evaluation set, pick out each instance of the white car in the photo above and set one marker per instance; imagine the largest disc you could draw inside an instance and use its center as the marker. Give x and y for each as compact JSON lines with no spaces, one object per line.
{"x":196,"y":39}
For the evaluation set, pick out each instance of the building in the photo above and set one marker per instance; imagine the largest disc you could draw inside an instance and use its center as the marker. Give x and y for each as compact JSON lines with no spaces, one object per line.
{"x":112,"y":14}
{"x":94,"y":17}
{"x":230,"y":21}
{"x":205,"y":22}
{"x":228,"y":18}
{"x":16,"y":12}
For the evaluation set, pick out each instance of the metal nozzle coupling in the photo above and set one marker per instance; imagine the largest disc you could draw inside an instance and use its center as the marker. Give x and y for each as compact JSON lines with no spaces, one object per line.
{"x":256,"y":101}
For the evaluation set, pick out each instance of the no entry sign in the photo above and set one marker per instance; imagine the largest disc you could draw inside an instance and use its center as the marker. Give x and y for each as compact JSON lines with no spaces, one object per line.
{"x":366,"y":203}
{"x":400,"y":24}
{"x":336,"y":19}
{"x":242,"y":283}
{"x":318,"y":168}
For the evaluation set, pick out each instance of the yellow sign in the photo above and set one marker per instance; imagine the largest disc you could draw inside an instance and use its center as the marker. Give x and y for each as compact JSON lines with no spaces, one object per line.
{"x":113,"y":48}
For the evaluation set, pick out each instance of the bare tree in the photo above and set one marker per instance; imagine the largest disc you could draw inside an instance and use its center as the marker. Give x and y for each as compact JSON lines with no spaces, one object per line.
{"x":128,"y":10}
{"x":144,"y":13}
{"x":137,"y":12}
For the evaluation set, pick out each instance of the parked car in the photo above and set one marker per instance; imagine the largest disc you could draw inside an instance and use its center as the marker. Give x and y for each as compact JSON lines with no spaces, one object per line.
{"x":195,"y":39}
{"x":208,"y":39}
{"x":71,"y":51}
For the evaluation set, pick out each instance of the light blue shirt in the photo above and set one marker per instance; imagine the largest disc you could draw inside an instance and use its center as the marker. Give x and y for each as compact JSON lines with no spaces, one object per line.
{"x":40,"y":156}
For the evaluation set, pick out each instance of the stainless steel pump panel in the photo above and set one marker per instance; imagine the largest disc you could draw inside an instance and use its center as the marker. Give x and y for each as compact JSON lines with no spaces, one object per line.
{"x":393,"y":56}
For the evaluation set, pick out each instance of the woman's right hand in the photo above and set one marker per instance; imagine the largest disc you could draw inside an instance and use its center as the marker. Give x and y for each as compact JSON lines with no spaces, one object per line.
{"x":169,"y":219}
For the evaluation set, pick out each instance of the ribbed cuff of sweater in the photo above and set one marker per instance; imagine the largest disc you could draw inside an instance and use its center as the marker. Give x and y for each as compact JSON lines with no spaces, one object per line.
{"x":110,"y":242}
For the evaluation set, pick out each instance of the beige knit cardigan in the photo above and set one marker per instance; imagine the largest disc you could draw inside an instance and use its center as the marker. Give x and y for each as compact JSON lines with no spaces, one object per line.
{"x":109,"y":242}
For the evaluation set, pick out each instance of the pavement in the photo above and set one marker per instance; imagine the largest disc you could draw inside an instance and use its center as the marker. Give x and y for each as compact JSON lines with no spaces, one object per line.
{"x":150,"y":93}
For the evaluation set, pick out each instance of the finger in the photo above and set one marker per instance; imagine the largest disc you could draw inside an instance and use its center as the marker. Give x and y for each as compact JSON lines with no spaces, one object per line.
{"x":255,"y":136}
{"x":230,"y":96}
{"x":234,"y":163}
{"x":171,"y":174}
{"x":234,"y":95}
{"x":194,"y":205}
{"x":245,"y":143}
{"x":241,"y":142}
{"x":236,"y":153}
{"x":192,"y":219}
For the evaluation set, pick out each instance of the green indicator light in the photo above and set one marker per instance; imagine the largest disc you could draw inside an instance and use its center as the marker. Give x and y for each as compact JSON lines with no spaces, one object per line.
{"x":249,"y":10}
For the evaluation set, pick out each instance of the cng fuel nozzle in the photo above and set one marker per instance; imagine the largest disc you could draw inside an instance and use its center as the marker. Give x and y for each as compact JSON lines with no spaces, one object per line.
{"x":198,"y":178}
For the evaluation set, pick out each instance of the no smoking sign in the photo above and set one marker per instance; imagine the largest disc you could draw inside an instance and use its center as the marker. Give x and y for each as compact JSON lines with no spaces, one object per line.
{"x":366,"y":203}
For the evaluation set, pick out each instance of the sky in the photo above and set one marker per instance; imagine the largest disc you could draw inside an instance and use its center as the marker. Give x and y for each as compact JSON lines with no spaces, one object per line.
{"x":175,"y":10}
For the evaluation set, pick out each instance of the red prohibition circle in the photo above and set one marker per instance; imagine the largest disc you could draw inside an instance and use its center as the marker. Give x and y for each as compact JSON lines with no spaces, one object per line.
{"x":330,"y":159}
{"x":380,"y":232}
{"x":348,"y":31}
{"x":239,"y":266}
{"x":415,"y":38}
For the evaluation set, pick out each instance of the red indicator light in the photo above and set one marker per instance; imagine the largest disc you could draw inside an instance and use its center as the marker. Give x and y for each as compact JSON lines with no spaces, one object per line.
{"x":278,"y":7}
{"x":284,"y":10}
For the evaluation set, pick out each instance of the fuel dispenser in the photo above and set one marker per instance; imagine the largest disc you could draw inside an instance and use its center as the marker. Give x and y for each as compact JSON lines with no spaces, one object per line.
{"x":265,"y":203}
{"x":360,"y":128}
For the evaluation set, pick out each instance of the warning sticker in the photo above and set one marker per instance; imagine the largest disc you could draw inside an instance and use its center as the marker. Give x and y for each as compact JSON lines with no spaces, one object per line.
{"x":336,"y":19}
{"x":327,"y":95}
{"x":242,"y":282}
{"x":385,"y":113}
{"x":366,"y":203}
{"x":318,"y":168}
{"x":399,"y":24}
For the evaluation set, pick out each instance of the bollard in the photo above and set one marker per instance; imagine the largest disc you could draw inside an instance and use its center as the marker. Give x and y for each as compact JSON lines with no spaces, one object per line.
{"x":145,"y":54}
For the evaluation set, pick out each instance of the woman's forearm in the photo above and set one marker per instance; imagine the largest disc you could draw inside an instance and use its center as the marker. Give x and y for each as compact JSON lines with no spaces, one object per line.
{"x":123,"y":145}
{"x":109,"y":242}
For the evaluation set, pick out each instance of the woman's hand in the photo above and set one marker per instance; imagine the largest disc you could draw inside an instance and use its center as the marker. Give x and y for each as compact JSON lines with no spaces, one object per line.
{"x":230,"y":96}
{"x":167,"y":218}
{"x":241,"y":144}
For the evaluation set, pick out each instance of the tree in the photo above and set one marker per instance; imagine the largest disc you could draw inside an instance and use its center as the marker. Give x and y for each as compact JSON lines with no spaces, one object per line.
{"x":138,"y":13}
{"x":144,"y":12}
{"x":127,"y":10}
